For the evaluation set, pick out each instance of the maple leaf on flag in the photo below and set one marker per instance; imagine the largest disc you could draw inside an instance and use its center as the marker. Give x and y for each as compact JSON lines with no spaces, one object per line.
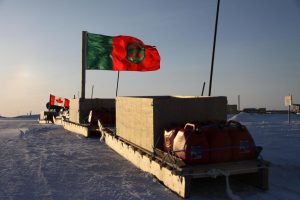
{"x":59,"y":100}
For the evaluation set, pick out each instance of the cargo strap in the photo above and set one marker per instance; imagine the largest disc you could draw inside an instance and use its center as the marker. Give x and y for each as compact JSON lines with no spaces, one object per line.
{"x":169,"y":155}
{"x":153,"y":154}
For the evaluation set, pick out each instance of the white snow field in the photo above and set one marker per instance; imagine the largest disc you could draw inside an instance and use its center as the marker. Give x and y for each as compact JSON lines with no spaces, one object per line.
{"x":47,"y":162}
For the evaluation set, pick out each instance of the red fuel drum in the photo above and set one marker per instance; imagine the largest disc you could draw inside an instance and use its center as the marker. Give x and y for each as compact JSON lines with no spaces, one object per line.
{"x":219,"y":142}
{"x":243,"y":146}
{"x":169,"y":136}
{"x":191,"y":145}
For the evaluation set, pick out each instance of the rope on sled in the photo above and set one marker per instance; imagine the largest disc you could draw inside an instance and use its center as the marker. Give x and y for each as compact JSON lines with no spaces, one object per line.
{"x":216,"y":172}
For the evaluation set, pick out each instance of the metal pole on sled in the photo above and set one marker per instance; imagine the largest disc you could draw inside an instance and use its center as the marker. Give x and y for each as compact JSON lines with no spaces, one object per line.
{"x":203,"y":87}
{"x":214,"y":46}
{"x":83,"y":65}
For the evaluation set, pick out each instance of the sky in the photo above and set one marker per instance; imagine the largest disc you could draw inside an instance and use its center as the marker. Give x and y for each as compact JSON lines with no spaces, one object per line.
{"x":257,"y":51}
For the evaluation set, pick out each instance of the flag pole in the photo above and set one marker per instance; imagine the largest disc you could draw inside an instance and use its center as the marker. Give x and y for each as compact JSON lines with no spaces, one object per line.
{"x":83,"y":66}
{"x":117,"y":83}
{"x":203,"y":87}
{"x":49,"y":103}
{"x":214,"y":46}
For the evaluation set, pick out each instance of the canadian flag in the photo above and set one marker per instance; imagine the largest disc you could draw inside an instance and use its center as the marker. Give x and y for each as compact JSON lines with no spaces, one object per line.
{"x":67,"y":103}
{"x":59,"y":101}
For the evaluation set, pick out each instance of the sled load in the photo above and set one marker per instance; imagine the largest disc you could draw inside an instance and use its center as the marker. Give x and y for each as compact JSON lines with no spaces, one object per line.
{"x":85,"y":114}
{"x":58,"y":110}
{"x":210,"y":142}
{"x":180,"y":138}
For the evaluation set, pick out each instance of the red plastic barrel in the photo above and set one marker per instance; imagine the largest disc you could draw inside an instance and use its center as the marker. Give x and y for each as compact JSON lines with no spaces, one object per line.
{"x":219,"y":142}
{"x":191,"y":145}
{"x":243,"y":146}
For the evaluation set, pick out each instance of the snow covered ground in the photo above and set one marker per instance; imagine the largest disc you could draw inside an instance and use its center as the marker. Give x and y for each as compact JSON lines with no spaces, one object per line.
{"x":47,"y":162}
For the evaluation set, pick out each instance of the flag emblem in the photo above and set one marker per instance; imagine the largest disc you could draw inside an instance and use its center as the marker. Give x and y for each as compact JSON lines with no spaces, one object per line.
{"x":135,"y":52}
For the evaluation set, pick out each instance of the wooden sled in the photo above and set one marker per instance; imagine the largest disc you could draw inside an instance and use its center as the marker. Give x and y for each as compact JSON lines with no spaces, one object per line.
{"x":176,"y":175}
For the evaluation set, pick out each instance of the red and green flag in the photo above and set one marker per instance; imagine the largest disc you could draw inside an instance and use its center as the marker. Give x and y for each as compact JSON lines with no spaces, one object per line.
{"x":120,"y":53}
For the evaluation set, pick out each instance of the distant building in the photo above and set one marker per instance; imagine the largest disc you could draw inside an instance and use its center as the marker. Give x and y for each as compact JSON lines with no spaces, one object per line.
{"x":262,"y":110}
{"x":255,"y":110}
{"x":232,"y":109}
{"x":277,"y":112}
{"x":296,"y":108}
{"x":250,"y":110}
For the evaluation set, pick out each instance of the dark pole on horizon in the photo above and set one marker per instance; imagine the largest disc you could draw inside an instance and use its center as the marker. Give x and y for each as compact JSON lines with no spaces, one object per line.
{"x":289,"y":111}
{"x":239,"y":103}
{"x":213,"y":52}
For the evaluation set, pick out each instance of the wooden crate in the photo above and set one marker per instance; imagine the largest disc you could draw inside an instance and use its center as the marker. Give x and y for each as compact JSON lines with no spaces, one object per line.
{"x":80,"y":108}
{"x":142,"y":120}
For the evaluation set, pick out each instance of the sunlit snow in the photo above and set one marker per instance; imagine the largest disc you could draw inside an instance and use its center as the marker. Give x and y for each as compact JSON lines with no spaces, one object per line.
{"x":47,"y":162}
